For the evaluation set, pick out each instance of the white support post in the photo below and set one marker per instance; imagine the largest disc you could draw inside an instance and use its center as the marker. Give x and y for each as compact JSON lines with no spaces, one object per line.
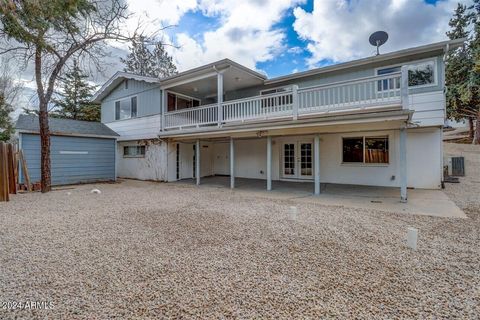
{"x":295,"y":101}
{"x":404,"y":87}
{"x":269,"y":163}
{"x":232,"y":164}
{"x":197,"y":161}
{"x":220,"y":98}
{"x":163,"y":109}
{"x":403,"y":165}
{"x":316,"y":159}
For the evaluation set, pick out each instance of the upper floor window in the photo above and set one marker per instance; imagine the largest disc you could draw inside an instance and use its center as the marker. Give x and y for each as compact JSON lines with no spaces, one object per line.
{"x":276,"y":101}
{"x":275,"y":90}
{"x":126,"y":84}
{"x":178,"y":102}
{"x":419,"y":74}
{"x":126,"y":108}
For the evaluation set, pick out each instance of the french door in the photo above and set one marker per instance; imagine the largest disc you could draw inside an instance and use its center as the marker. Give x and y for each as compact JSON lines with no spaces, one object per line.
{"x":297,"y":160}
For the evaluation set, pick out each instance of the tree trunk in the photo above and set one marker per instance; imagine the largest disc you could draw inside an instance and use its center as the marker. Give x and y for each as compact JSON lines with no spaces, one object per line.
{"x":471,"y":129}
{"x":476,"y":138}
{"x":45,"y":148}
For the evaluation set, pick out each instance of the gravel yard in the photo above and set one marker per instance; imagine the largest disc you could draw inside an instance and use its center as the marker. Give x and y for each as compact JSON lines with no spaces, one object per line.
{"x":154,"y":250}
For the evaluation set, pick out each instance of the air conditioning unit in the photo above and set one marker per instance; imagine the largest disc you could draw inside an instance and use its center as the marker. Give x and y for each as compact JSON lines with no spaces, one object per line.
{"x":456,"y":166}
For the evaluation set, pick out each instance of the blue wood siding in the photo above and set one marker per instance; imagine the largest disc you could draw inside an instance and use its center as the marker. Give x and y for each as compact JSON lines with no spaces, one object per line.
{"x":98,"y":164}
{"x":345,"y":75}
{"x":148,"y":99}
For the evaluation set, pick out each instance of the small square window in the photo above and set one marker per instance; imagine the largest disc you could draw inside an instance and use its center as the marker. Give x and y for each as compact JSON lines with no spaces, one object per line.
{"x":133,"y":151}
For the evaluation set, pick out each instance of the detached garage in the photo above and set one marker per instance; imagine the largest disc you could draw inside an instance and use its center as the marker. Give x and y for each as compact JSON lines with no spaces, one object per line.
{"x":80,"y":151}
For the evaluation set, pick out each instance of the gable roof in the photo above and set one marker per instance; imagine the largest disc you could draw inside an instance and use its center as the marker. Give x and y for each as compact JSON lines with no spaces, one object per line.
{"x":28,"y":123}
{"x":115,"y":80}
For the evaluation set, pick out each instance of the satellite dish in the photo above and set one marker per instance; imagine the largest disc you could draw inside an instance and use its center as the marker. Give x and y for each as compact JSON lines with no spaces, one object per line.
{"x":377,"y":39}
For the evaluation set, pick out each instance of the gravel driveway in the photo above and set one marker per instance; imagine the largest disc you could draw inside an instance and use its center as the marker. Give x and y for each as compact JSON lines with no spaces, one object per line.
{"x":153,"y":250}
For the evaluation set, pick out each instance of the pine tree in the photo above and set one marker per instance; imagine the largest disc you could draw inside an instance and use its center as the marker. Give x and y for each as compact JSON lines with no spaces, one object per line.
{"x":75,"y":97}
{"x":470,"y":91}
{"x":6,"y":127}
{"x":9,"y":91}
{"x":146,"y":62}
{"x":164,"y":65}
{"x":458,"y":65}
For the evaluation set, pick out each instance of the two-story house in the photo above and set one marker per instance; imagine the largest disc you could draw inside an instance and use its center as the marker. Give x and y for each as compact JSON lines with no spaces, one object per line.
{"x":374,"y":121}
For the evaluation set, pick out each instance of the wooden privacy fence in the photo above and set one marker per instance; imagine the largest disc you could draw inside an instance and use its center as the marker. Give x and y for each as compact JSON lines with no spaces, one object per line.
{"x":8,"y":171}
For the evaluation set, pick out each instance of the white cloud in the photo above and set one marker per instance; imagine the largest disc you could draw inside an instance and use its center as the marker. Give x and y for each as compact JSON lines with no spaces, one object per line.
{"x":339,"y":29}
{"x":246,"y":33}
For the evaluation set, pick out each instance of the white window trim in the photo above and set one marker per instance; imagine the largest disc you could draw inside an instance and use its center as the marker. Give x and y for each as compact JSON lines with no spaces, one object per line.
{"x":412,"y":63}
{"x":181,"y":96}
{"x":364,"y":164}
{"x":134,"y":156}
{"x":125,"y":98}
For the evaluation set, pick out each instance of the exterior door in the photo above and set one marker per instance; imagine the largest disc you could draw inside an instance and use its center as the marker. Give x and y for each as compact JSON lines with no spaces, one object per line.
{"x":297,"y":160}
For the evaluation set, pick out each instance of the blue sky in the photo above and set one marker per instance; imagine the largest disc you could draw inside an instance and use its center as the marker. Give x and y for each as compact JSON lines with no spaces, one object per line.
{"x":283,"y":36}
{"x":277,"y":37}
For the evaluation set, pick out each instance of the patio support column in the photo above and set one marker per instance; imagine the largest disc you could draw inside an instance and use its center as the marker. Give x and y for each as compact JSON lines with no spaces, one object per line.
{"x":269,"y":163}
{"x":316,"y":159}
{"x":232,"y":164}
{"x":403,"y":165}
{"x":197,"y":161}
{"x":220,"y":98}
{"x":163,"y":109}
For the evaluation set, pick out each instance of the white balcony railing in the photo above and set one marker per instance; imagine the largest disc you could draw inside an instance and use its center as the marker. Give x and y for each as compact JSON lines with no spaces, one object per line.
{"x":375,"y":91}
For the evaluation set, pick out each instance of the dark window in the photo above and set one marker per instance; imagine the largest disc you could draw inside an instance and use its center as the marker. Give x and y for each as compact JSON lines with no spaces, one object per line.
{"x":134,"y":151}
{"x":117,"y":110}
{"x":289,"y":158}
{"x":353,"y":149}
{"x":134,"y":107}
{"x":177,"y":102}
{"x":172,"y":102}
{"x":183,"y":103}
{"x":376,"y":150}
{"x":126,"y":84}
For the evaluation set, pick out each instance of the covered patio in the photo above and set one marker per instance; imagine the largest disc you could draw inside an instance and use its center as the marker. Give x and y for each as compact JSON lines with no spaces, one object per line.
{"x":420,"y":201}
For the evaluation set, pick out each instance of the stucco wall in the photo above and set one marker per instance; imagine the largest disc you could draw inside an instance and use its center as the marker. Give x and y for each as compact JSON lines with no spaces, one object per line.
{"x":151,"y":167}
{"x":423,"y":159}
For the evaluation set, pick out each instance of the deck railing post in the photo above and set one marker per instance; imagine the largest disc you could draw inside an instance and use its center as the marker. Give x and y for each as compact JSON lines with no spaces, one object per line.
{"x":295,"y":101}
{"x":163,"y":108}
{"x":404,"y":87}
{"x":220,"y":98}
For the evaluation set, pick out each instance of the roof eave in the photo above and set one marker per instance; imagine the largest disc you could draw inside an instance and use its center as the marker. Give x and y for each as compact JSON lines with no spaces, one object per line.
{"x":209,"y":68}
{"x":112,"y":83}
{"x":450,"y":44}
{"x":54,"y":133}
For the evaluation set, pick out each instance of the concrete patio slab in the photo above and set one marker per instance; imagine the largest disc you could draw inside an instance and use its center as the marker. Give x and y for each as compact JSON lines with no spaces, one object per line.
{"x":421,"y":202}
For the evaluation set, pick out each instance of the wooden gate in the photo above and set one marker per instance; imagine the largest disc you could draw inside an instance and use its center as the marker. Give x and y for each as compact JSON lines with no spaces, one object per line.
{"x":8,"y":171}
